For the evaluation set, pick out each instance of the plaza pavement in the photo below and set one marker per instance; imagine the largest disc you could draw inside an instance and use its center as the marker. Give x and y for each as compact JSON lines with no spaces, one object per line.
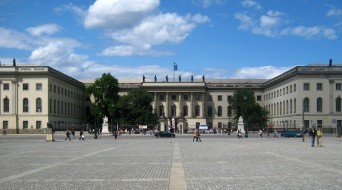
{"x":146,"y":162}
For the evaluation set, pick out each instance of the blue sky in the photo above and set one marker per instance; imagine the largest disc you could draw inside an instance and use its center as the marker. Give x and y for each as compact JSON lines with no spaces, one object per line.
{"x":132,"y":38}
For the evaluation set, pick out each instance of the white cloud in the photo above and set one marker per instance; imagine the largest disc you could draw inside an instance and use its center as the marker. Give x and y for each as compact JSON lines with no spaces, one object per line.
{"x":271,"y":24}
{"x":13,"y":39}
{"x":251,"y":3}
{"x":207,"y":3}
{"x":47,"y":29}
{"x":118,"y":14}
{"x":264,"y":72}
{"x":153,"y":31}
{"x":334,"y":12}
{"x":73,"y":8}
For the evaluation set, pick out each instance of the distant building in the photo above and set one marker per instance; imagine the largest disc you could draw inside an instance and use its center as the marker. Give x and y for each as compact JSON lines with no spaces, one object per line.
{"x":33,"y":95}
{"x":43,"y":94}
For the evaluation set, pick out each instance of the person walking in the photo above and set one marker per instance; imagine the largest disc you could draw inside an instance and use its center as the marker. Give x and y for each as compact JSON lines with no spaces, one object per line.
{"x":73,"y":133}
{"x":198,"y":136}
{"x":260,"y":133}
{"x":195,"y":136}
{"x":68,"y":135}
{"x":312,"y":135}
{"x":319,"y":137}
{"x":275,"y":134}
{"x":81,"y":135}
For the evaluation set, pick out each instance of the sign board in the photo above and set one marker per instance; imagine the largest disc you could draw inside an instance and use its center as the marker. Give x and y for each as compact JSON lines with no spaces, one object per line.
{"x":142,"y":126}
{"x":203,"y":127}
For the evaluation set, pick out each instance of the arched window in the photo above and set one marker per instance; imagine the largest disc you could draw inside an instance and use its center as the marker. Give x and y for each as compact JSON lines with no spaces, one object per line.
{"x":319,"y":105}
{"x":39,"y":105}
{"x":306,"y":105}
{"x":219,"y":111}
{"x":229,"y":111}
{"x":338,"y":104}
{"x":6,"y":104}
{"x":25,"y":105}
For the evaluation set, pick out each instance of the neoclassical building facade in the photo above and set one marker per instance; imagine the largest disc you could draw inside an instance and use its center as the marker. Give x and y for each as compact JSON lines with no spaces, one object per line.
{"x":33,"y":95}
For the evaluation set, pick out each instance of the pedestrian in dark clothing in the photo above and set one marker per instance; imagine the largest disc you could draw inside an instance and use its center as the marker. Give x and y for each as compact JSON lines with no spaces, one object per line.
{"x":81,"y":135}
{"x":73,"y":133}
{"x":115,"y":135}
{"x":68,"y":135}
{"x":198,"y":137}
{"x":313,"y":134}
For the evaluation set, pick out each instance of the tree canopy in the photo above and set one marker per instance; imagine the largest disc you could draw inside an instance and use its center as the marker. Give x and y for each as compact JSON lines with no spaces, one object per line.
{"x":135,"y":108}
{"x":244,"y":104}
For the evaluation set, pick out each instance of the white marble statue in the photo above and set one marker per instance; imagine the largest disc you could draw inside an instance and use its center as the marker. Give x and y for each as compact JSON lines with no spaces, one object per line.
{"x":105,"y":120}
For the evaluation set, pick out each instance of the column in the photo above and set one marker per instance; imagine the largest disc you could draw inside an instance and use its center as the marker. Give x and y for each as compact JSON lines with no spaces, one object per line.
{"x":191,"y":105}
{"x":167,"y":105}
{"x":203,"y":105}
{"x":180,"y":107}
{"x":155,"y":104}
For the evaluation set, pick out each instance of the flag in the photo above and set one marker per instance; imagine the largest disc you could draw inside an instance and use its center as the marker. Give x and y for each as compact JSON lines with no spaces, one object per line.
{"x":175,"y":66}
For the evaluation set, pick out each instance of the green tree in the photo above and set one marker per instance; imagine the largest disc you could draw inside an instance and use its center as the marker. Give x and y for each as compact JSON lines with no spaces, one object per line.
{"x":244,"y":104}
{"x":135,"y":108}
{"x":105,"y":92}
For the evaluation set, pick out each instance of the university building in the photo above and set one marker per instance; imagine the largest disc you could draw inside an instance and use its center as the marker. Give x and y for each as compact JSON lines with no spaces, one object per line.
{"x":33,"y":95}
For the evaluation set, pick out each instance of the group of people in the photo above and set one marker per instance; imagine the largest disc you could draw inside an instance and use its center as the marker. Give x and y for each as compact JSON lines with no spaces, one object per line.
{"x":72,"y":133}
{"x":313,"y":133}
{"x":197,"y":136}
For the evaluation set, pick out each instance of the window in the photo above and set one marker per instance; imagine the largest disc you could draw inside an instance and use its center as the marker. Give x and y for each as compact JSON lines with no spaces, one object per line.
{"x":54,"y":106}
{"x":197,"y":97}
{"x":6,"y":104}
{"x":290,"y":88}
{"x":25,"y":86}
{"x":219,"y":125}
{"x":25,"y":124}
{"x":173,"y":97}
{"x":291,"y":106}
{"x":294,"y":87}
{"x":50,"y":105}
{"x":6,"y":86}
{"x":306,"y":105}
{"x":319,"y":123}
{"x":219,"y":111}
{"x":62,"y":90}
{"x":161,"y":97}
{"x":58,"y":89}
{"x":39,"y":86}
{"x":277,"y":93}
{"x":319,"y":86}
{"x":5,"y":124}
{"x":186,"y":97}
{"x":54,"y":88}
{"x":229,"y":111}
{"x":319,"y":105}
{"x":287,"y":90}
{"x":294,"y":105}
{"x":258,"y":98}
{"x":185,"y":110}
{"x":50,"y":87}
{"x":338,"y":86}
{"x":25,"y":105}
{"x":210,"y":111}
{"x":338,"y":104}
{"x":38,"y":124}
{"x":173,"y":110}
{"x":161,"y":111}
{"x":281,"y":92}
{"x":210,"y":98}
{"x":306,"y":86}
{"x":39,"y":105}
{"x":197,"y":110}
{"x":219,"y":98}
{"x":230,"y":99}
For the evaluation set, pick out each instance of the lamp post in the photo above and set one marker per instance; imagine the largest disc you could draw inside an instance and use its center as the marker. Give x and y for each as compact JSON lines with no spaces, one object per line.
{"x":244,"y":117}
{"x":303,"y":124}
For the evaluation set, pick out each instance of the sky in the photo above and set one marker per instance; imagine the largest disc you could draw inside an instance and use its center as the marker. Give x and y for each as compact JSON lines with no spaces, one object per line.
{"x":220,"y":39}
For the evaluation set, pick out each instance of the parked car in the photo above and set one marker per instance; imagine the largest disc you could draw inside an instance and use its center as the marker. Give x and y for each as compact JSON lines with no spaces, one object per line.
{"x":291,"y":134}
{"x":165,"y":134}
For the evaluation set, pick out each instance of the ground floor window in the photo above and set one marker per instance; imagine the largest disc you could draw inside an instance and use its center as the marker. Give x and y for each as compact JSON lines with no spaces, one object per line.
{"x":5,"y":124}
{"x":25,"y":124}
{"x":38,"y":124}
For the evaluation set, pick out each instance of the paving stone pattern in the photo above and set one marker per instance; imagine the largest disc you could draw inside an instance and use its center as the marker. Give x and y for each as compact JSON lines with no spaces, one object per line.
{"x":136,"y":162}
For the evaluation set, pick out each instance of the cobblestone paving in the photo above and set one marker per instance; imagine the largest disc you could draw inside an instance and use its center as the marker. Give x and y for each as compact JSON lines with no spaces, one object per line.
{"x":139,"y":162}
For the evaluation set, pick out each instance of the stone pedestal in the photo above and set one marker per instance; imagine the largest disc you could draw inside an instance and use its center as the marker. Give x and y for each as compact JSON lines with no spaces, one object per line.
{"x":241,"y":125}
{"x":105,"y":128}
{"x":49,"y":135}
